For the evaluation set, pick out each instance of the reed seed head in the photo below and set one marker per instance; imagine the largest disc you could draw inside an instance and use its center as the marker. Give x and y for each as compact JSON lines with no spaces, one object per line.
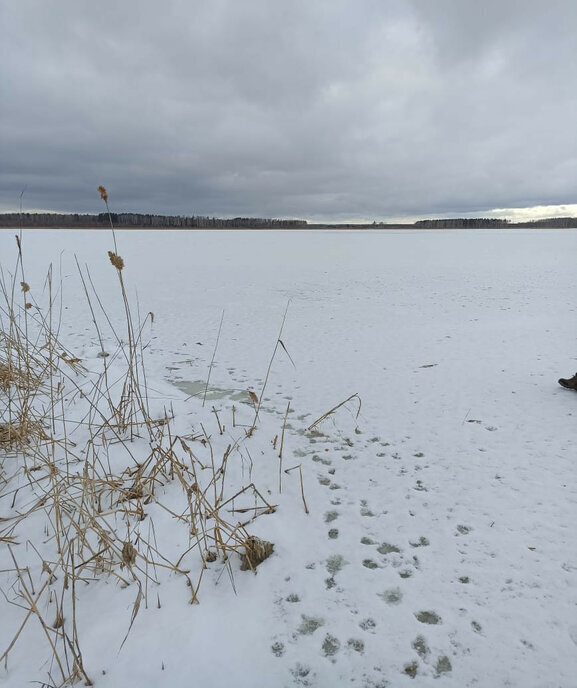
{"x":128,"y":554}
{"x":116,"y":260}
{"x":25,"y":286}
{"x":103,"y":194}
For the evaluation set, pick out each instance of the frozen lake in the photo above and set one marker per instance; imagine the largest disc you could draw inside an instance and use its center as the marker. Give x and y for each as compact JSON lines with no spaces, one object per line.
{"x":494,"y":310}
{"x":441,"y":541}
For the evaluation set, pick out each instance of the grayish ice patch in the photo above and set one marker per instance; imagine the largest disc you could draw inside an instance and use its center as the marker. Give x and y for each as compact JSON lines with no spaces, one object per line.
{"x":195,"y":388}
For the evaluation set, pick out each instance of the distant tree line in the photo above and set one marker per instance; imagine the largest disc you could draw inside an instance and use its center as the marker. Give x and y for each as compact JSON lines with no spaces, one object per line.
{"x":144,"y":220}
{"x":551,"y":223}
{"x":480,"y":222}
{"x":47,"y":220}
{"x":140,"y":220}
{"x":461,"y":223}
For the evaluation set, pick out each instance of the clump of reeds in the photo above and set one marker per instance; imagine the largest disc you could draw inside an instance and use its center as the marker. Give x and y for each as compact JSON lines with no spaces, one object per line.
{"x":96,"y":496}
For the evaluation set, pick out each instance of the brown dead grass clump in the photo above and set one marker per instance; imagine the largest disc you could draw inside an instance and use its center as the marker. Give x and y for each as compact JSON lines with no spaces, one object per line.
{"x":256,"y":551}
{"x":9,"y":375}
{"x":6,"y":376}
{"x":13,"y":435}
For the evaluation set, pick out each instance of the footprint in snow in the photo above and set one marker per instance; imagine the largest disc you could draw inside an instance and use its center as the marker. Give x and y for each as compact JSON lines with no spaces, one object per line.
{"x":368,"y":625}
{"x":331,"y":516}
{"x":278,"y":649}
{"x":421,"y":542}
{"x":302,"y":674}
{"x":331,"y":645}
{"x":335,"y":563}
{"x":365,"y":511}
{"x":393,"y":596}
{"x":428,"y":617}
{"x":419,"y":644}
{"x":411,"y":669}
{"x":309,"y":624}
{"x":443,"y":665}
{"x":356,"y":645}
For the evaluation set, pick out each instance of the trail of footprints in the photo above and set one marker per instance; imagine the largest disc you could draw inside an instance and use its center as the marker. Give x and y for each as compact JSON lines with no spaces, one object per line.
{"x":376,"y":554}
{"x":332,"y":460}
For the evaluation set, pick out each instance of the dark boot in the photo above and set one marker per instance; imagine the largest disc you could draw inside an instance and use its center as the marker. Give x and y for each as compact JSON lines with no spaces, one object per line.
{"x":569,"y":384}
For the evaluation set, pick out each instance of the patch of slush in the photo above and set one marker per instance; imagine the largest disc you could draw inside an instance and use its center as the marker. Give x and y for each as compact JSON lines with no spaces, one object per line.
{"x":196,"y":388}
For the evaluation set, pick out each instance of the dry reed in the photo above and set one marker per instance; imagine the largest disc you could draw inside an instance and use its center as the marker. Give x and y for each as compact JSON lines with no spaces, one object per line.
{"x":96,"y":496}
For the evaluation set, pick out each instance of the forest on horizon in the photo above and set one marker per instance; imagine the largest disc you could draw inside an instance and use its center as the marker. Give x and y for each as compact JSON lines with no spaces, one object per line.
{"x":150,"y":221}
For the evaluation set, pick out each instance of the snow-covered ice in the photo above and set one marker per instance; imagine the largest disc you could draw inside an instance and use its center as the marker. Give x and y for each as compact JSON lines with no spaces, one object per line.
{"x":441,"y":544}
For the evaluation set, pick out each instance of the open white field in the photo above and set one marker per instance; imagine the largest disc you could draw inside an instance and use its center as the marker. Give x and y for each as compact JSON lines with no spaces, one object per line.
{"x":440,"y":547}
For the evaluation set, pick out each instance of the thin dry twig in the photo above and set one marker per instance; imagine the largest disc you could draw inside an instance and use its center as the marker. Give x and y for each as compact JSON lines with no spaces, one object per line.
{"x":312,"y":426}
{"x":212,"y":359}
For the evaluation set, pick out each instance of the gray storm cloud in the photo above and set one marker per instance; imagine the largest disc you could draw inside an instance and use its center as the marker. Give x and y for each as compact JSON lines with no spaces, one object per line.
{"x":326,"y":109}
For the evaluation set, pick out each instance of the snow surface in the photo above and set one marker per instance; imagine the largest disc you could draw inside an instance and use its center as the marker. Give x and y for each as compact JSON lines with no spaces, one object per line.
{"x":442,"y":527}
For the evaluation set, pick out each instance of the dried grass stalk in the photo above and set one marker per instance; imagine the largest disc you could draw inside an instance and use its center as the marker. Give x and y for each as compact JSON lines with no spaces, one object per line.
{"x":335,"y":408}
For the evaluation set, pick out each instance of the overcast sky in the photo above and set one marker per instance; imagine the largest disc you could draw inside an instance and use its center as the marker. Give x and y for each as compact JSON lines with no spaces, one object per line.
{"x":315,"y":109}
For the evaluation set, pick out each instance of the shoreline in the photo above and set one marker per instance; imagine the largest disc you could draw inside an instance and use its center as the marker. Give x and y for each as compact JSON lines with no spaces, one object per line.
{"x":282,"y":229}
